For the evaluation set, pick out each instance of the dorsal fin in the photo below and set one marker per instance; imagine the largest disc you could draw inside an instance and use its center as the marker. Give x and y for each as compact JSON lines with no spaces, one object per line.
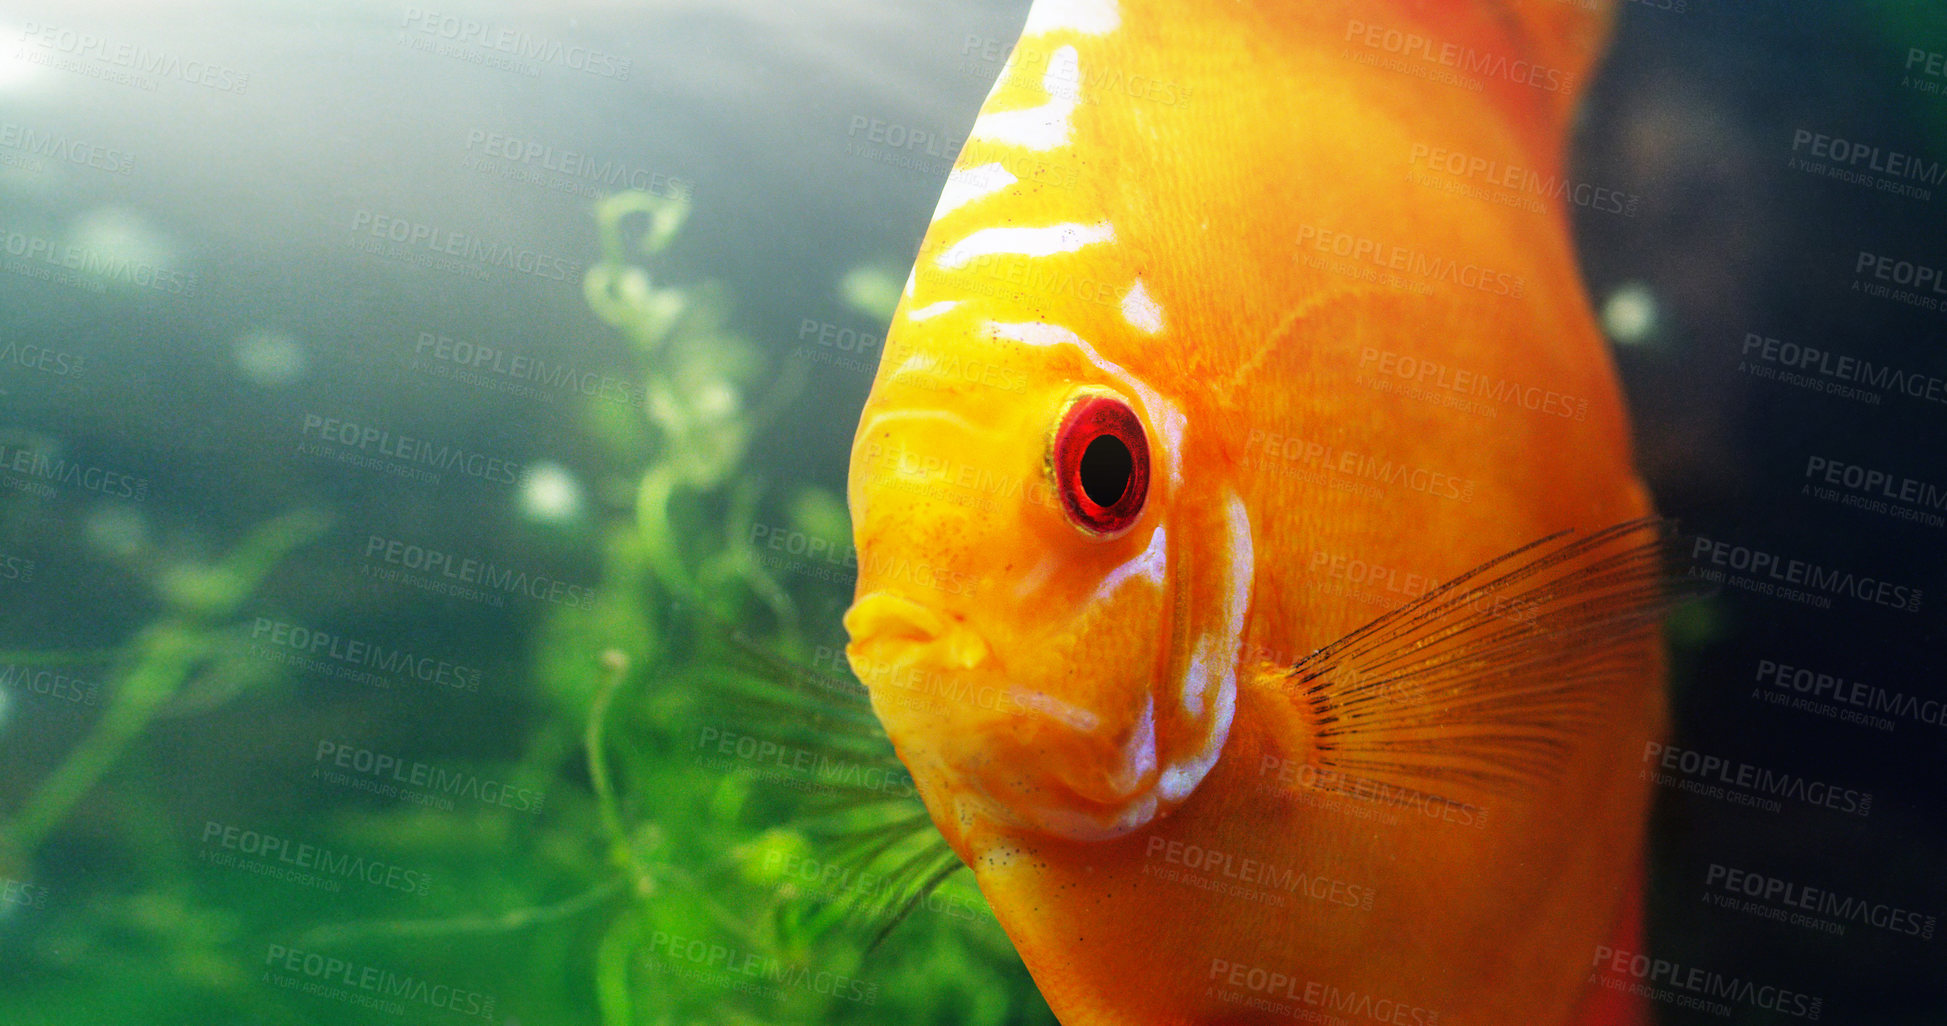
{"x":1562,"y":39}
{"x":1534,"y":58}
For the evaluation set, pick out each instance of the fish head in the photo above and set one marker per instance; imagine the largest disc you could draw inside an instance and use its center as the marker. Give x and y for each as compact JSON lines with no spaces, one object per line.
{"x":1037,"y":618}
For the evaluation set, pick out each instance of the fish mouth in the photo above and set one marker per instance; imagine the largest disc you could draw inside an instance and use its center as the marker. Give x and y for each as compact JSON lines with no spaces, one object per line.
{"x":890,"y":631}
{"x":1006,"y":754}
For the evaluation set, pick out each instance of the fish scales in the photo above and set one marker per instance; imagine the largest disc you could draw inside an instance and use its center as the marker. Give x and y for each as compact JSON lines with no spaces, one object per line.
{"x":1218,"y":217}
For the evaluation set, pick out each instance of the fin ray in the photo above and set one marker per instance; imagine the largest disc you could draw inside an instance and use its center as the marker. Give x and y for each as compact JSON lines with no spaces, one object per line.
{"x":869,"y":833}
{"x":1481,"y":683}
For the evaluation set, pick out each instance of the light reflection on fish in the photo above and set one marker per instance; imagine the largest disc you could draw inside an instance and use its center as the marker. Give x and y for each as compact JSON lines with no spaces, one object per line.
{"x":1198,"y":773}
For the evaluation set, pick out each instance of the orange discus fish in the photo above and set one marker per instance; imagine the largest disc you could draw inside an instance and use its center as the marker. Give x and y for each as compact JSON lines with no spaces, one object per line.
{"x":1253,"y":572}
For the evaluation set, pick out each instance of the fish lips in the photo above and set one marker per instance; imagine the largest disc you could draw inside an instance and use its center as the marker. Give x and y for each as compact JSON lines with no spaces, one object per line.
{"x":1019,"y":757}
{"x":890,"y":631}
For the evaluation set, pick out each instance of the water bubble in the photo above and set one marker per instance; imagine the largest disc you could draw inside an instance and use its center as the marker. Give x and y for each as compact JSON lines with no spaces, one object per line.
{"x":550,"y":494}
{"x":16,"y":71}
{"x":116,"y":531}
{"x":269,"y":358}
{"x":120,"y":238}
{"x":716,"y":400}
{"x":871,"y":290}
{"x":1629,"y":317}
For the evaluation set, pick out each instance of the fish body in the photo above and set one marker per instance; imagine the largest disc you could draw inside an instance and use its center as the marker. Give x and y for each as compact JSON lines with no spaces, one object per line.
{"x":1299,"y":249}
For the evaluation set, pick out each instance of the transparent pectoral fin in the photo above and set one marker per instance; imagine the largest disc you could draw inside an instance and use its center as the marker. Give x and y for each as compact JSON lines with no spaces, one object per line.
{"x":1482,"y":685}
{"x":879,"y":839}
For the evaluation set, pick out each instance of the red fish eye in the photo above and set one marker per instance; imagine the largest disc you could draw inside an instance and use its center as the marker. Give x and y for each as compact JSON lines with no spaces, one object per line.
{"x":1101,"y":464}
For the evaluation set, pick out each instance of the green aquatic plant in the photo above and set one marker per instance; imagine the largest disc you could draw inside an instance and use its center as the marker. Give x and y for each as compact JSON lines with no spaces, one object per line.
{"x":676,"y":868}
{"x":200,"y":603}
{"x":138,"y":941}
{"x":871,"y":290}
{"x":754,"y":889}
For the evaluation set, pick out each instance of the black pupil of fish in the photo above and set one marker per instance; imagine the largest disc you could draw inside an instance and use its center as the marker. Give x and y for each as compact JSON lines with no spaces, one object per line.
{"x":1106,"y":469}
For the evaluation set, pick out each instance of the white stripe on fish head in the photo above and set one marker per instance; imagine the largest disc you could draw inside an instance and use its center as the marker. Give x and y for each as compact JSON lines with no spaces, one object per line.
{"x":979,"y":193}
